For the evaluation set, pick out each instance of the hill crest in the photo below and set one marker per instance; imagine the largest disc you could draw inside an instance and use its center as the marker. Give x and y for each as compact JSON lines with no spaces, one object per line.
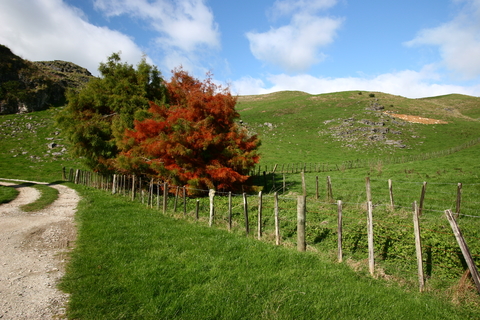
{"x":27,"y":86}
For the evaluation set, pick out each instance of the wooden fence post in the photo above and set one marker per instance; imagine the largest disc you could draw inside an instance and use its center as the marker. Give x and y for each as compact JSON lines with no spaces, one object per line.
{"x":197,"y":209}
{"x":418,"y":247}
{"x":390,"y":191}
{"x":369,"y":190}
{"x":277,"y":220}
{"x":77,"y":174}
{"x":175,"y":199}
{"x":371,"y":250}
{"x":229,"y":211}
{"x":245,"y":212}
{"x":316,"y":188}
{"x":133,"y":187}
{"x":459,"y":200}
{"x":259,"y":220}
{"x":158,"y":194}
{"x":284,"y":183}
{"x":184,"y":201}
{"x":329,"y":190}
{"x":165,"y":197}
{"x":465,"y":251}
{"x":339,"y":227}
{"x":211,"y":196}
{"x":301,"y":215}
{"x":113,"y":184}
{"x":304,"y":185}
{"x":150,"y":194}
{"x":422,"y":197}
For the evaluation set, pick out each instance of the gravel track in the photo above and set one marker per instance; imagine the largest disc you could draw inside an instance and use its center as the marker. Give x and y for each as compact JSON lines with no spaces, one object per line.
{"x":33,"y":252}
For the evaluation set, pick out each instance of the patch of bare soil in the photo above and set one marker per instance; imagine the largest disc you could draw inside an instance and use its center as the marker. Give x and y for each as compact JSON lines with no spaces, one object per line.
{"x":417,"y":119}
{"x":33,"y":254}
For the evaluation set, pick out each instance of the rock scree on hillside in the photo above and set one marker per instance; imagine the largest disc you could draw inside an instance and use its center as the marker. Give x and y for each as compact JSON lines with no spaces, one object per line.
{"x":382,"y":129}
{"x":33,"y":254}
{"x":27,"y":86}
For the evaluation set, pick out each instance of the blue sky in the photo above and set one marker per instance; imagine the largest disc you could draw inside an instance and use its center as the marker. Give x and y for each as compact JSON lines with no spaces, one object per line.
{"x":410,"y":48}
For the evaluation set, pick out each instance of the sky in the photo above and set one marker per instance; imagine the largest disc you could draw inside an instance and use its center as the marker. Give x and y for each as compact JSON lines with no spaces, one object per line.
{"x":410,"y":48}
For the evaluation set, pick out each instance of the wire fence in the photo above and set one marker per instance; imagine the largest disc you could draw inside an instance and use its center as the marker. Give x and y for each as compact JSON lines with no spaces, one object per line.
{"x":310,"y":167}
{"x":265,"y":215}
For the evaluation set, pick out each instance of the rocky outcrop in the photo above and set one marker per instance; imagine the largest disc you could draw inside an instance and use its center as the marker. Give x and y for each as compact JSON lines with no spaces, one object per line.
{"x":27,"y":86}
{"x":381,"y":130}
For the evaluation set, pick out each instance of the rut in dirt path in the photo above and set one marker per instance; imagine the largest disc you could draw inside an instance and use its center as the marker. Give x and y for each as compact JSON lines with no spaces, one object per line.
{"x":33,"y":254}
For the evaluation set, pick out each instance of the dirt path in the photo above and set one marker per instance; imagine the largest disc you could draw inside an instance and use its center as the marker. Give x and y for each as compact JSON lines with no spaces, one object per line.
{"x":33,"y":249}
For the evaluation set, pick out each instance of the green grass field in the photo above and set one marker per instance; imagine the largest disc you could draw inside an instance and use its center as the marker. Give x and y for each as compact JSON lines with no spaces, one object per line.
{"x":133,"y":262}
{"x":149,"y":266}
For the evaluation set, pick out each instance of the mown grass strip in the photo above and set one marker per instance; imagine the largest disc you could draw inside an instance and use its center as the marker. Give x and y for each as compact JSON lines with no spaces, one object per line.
{"x":131,"y":262}
{"x":7,"y":194}
{"x":47,"y":197}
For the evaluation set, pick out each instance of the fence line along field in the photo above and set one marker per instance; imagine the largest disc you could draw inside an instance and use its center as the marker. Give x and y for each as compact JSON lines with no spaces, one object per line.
{"x":385,"y":243}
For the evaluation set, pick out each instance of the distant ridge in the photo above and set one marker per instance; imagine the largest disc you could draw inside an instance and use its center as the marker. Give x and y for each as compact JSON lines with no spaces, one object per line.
{"x":27,"y":86}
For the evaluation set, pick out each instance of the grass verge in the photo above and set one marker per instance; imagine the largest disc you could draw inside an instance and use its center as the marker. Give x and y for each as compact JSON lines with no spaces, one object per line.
{"x":47,"y":197}
{"x":131,"y":262}
{"x":7,"y":194}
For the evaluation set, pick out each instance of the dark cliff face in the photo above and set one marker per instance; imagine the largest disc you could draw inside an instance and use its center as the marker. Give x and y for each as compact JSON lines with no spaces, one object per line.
{"x":27,"y":86}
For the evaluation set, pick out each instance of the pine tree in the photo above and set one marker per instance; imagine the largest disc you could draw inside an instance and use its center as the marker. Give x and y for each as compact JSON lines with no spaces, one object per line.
{"x":97,"y":116}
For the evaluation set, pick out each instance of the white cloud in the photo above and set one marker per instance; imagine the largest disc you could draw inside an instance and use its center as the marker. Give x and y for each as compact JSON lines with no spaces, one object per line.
{"x":186,"y":28}
{"x":458,"y":40}
{"x":295,"y":47}
{"x":52,"y":30}
{"x":408,"y":83}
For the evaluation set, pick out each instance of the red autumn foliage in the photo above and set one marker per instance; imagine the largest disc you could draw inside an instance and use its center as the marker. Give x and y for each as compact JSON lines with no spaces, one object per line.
{"x":194,"y":140}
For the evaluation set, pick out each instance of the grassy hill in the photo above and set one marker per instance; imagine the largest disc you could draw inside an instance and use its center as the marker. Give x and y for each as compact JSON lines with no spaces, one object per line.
{"x":337,"y":127}
{"x":130,"y":262}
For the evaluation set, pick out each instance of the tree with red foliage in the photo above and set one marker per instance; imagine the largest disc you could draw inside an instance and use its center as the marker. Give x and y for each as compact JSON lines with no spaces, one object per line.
{"x":193,"y":140}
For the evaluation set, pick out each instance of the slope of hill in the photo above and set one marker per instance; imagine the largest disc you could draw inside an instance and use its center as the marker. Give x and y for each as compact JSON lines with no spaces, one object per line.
{"x":334,"y":127}
{"x":27,"y":86}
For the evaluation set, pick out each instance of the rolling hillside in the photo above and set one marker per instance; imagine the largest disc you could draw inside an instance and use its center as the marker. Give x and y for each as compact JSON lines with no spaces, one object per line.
{"x":299,"y":127}
{"x":295,"y":127}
